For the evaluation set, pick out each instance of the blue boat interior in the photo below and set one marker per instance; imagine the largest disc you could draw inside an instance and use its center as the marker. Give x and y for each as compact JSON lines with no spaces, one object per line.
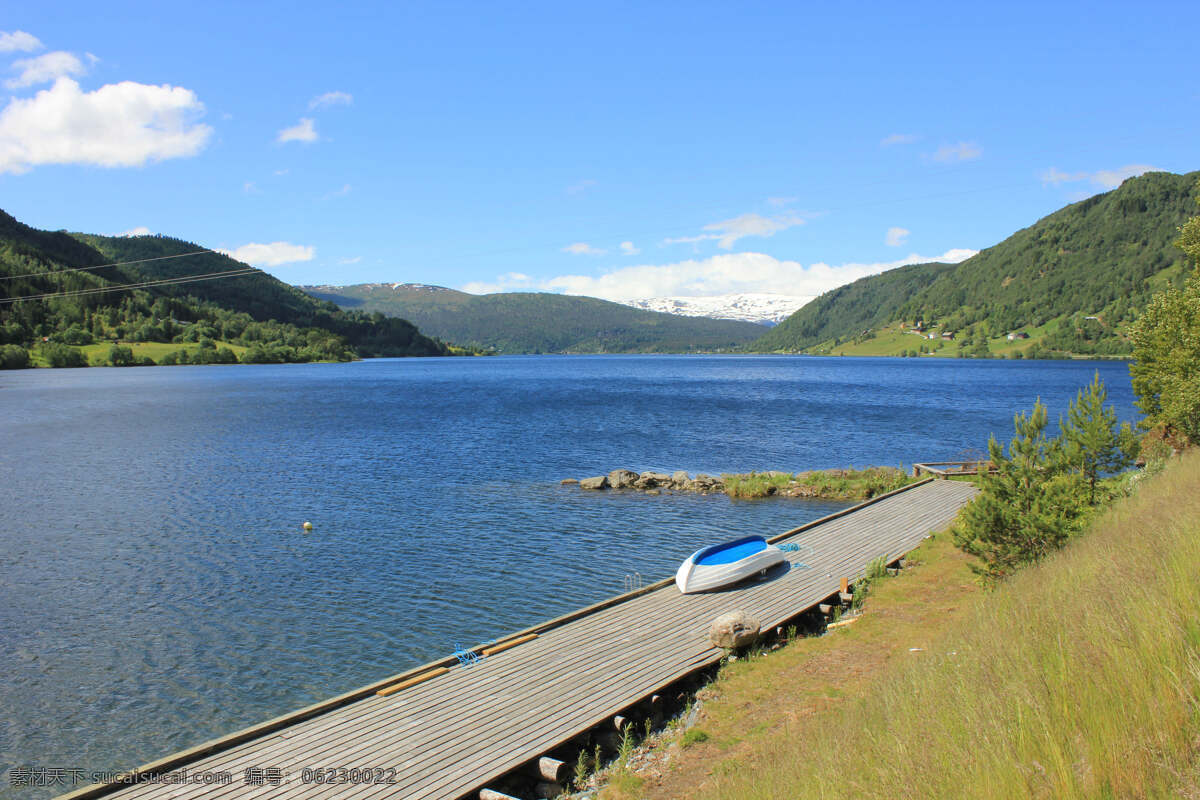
{"x":730,"y":552}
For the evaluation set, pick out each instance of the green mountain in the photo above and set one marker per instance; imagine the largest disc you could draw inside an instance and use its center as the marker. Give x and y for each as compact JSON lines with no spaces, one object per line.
{"x":1070,"y":282}
{"x":251,"y":315}
{"x":527,"y":322}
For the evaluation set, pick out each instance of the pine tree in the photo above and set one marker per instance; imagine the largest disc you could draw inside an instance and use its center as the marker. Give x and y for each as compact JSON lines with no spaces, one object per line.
{"x":1027,"y":508}
{"x":1092,"y":442}
{"x":1166,"y":349}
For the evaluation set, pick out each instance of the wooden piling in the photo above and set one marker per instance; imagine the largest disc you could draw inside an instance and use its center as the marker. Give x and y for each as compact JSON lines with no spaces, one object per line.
{"x":492,"y":794}
{"x":550,"y":769}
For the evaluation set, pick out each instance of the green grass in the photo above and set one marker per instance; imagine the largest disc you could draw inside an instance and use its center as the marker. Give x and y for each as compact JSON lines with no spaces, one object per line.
{"x":97,"y":354}
{"x":891,"y":340}
{"x":854,"y":484}
{"x":755,"y":484}
{"x":833,"y":484}
{"x":1079,"y":677}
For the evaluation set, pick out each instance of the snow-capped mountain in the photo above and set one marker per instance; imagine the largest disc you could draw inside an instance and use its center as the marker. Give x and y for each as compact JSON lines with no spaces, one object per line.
{"x":765,"y":309}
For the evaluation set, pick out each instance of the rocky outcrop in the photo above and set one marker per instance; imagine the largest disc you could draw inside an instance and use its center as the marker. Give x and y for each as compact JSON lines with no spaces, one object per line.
{"x":650,"y":482}
{"x":622,"y":478}
{"x":733,"y":630}
{"x":830,"y":484}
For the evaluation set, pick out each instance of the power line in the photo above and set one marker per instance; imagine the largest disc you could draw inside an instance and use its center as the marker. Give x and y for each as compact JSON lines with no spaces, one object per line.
{"x":105,"y":266}
{"x":232,"y":273}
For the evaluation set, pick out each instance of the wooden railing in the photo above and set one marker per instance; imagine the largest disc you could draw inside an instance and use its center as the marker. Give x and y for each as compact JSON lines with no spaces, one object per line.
{"x":945,"y":469}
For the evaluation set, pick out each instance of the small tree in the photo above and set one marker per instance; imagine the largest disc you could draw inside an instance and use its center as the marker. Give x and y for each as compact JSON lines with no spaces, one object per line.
{"x":1027,"y":508}
{"x":1166,"y":350}
{"x":1092,"y":442}
{"x":121,"y":356}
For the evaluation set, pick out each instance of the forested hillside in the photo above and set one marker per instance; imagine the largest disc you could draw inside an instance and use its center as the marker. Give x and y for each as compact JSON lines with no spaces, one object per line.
{"x":527,"y":322}
{"x":249,"y":316}
{"x":1072,"y":282}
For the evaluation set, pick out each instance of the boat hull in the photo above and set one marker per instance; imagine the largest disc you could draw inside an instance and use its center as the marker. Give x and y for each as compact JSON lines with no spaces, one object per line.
{"x":726,"y":564}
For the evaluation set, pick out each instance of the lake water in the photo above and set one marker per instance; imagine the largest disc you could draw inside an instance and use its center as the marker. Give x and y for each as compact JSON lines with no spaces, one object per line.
{"x":156,"y":589}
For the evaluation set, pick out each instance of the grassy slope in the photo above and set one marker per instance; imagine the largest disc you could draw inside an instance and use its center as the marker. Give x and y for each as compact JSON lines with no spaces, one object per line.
{"x":1103,"y":256}
{"x":530,"y":322}
{"x":1080,"y":677}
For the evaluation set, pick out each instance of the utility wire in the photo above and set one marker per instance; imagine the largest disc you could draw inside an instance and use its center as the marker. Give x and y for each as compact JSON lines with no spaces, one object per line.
{"x":104,"y":266}
{"x":232,"y":273}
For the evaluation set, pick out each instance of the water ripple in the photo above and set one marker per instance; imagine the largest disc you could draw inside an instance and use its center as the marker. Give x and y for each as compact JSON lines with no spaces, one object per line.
{"x":156,"y":591}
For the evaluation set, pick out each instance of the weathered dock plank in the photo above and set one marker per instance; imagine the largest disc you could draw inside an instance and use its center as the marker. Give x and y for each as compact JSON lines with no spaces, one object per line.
{"x":450,"y":735}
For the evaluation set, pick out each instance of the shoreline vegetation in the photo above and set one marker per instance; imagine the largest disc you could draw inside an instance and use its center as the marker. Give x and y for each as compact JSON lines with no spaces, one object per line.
{"x":822,"y":484}
{"x":996,"y":692}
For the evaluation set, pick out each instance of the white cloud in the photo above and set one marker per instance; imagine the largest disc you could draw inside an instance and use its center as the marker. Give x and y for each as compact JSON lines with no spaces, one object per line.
{"x":726,"y":273}
{"x":1106,"y":178}
{"x":140,"y":230}
{"x":354,"y":260}
{"x":342,"y":192}
{"x":330,"y":99}
{"x":45,"y":68}
{"x":898,"y":138}
{"x":895,"y":236}
{"x":250,"y":187}
{"x":271,"y":255}
{"x":700,"y":237}
{"x":118,"y":125}
{"x":583,"y":249}
{"x":730,"y":230}
{"x":1112,"y":178}
{"x":628,"y":248}
{"x":303,"y":131}
{"x":963,"y":151}
{"x":18,"y":42}
{"x":727,"y":232}
{"x":781,"y":201}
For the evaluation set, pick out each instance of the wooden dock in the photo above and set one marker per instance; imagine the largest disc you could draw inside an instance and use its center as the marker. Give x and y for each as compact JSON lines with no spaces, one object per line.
{"x":455,"y":729}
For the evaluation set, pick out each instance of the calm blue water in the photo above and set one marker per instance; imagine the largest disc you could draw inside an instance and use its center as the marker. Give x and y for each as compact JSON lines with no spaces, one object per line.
{"x":155,"y":588}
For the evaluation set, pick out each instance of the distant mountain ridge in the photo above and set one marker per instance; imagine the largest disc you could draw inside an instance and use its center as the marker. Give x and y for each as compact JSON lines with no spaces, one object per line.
{"x":759,"y":307}
{"x":1070,"y":282}
{"x":530,"y":322}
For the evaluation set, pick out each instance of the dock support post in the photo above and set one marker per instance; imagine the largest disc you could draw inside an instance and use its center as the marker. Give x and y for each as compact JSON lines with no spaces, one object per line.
{"x":492,"y":794}
{"x":550,"y":769}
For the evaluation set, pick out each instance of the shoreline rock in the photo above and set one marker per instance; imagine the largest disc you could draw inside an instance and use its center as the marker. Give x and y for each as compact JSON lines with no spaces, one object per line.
{"x":649,"y":482}
{"x":829,"y":484}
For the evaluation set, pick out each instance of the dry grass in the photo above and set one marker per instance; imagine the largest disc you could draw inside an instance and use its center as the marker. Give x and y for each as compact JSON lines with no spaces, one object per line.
{"x":1078,"y":677}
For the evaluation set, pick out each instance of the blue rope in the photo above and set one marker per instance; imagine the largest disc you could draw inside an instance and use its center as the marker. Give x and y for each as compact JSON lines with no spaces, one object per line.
{"x":793,"y":547}
{"x":466,"y":656}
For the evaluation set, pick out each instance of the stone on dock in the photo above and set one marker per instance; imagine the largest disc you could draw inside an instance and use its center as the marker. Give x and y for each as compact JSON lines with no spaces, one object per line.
{"x":732,"y":630}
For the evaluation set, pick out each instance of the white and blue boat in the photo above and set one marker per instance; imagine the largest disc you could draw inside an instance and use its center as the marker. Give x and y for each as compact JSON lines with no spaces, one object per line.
{"x":722,"y":564}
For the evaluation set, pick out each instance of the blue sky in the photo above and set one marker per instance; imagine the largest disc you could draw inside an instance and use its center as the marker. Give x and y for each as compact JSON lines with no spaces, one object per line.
{"x":620,"y":150}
